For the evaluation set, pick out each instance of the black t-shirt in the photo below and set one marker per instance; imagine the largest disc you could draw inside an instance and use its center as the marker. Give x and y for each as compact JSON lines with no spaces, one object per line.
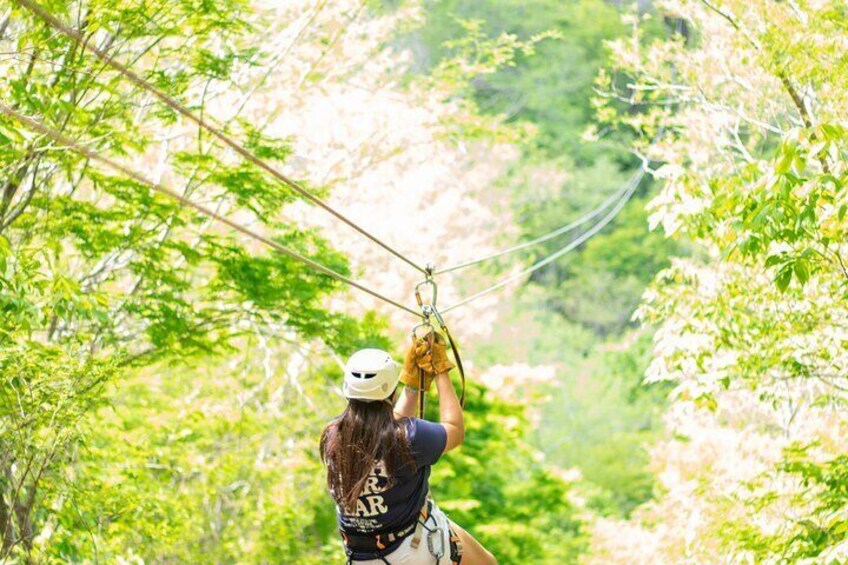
{"x":383,"y":510}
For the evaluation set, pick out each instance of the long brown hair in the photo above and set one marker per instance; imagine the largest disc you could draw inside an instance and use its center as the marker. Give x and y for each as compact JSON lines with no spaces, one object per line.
{"x":365,"y":433}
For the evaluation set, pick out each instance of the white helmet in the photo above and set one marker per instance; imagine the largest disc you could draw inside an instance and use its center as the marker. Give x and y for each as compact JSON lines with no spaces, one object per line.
{"x":370,"y":374}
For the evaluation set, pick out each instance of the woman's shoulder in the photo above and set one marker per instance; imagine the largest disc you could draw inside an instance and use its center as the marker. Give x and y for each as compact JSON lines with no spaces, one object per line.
{"x":427,"y":440}
{"x":424,"y":431}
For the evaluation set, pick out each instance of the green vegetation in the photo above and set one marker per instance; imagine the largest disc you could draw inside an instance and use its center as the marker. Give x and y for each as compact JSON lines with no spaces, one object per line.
{"x":100,"y":278}
{"x":751,"y":332}
{"x":164,"y":381}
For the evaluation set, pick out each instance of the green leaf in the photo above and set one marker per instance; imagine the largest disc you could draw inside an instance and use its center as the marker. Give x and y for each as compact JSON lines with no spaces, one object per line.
{"x":784,"y":277}
{"x":777,"y":259}
{"x":707,"y":401}
{"x":802,"y":271}
{"x":785,"y":164}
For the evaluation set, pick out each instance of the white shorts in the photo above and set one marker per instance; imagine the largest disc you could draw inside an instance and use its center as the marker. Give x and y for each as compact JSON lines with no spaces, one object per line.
{"x":439,"y":540}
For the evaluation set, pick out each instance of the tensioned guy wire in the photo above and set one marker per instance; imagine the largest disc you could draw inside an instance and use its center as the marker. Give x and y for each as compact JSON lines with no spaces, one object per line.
{"x":542,"y":238}
{"x":53,"y":22}
{"x":631,"y":188}
{"x":91,"y":154}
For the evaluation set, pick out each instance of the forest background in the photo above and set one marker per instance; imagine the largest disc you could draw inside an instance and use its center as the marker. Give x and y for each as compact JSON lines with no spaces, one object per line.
{"x":164,"y":380}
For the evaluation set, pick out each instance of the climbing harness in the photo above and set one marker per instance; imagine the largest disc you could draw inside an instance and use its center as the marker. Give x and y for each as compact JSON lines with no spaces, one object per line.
{"x":456,"y":549}
{"x":436,"y":538}
{"x":365,"y":547}
{"x":430,"y":311}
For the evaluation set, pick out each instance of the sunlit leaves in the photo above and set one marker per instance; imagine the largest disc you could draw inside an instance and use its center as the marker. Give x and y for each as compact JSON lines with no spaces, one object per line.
{"x":96,"y":269}
{"x":824,"y":492}
{"x":754,"y":332}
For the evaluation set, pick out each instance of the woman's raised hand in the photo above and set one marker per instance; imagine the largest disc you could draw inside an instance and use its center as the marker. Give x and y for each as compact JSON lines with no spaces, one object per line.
{"x":426,"y":355}
{"x":411,"y":375}
{"x":432,"y":354}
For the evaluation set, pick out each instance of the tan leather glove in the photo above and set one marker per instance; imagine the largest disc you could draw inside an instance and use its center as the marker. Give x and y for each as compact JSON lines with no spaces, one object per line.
{"x":432,"y":354}
{"x":410,"y":376}
{"x":426,"y":355}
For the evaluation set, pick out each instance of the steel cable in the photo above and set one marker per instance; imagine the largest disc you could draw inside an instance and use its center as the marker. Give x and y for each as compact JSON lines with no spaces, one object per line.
{"x":91,"y":154}
{"x":621,"y":196}
{"x":634,"y":183}
{"x":53,"y":22}
{"x":543,"y":238}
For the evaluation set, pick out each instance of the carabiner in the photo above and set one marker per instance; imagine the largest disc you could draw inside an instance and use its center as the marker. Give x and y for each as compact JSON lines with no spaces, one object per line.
{"x":437,"y":549}
{"x":432,"y":311}
{"x":425,"y":324}
{"x":434,"y":293}
{"x":429,"y":309}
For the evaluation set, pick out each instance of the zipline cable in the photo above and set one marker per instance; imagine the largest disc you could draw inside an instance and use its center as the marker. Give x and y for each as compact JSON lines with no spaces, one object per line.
{"x":634,"y":183}
{"x":66,"y":141}
{"x":542,"y":238}
{"x":53,"y":22}
{"x":182,"y":110}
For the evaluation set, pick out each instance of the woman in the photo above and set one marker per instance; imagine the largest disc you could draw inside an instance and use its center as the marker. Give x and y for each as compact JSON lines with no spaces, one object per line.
{"x":378,"y":459}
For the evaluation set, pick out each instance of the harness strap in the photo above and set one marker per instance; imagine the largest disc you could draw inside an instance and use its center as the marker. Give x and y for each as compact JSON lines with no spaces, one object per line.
{"x":456,"y":549}
{"x":434,"y":536}
{"x":381,"y":541}
{"x":458,"y":358}
{"x":421,"y":393}
{"x":370,"y":555}
{"x":419,"y":527}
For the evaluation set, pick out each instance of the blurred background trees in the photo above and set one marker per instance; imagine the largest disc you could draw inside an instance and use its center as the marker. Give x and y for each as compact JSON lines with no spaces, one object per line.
{"x":599,"y":417}
{"x":752,"y":330}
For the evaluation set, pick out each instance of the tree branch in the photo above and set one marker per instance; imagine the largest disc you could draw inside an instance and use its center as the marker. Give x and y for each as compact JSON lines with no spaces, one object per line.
{"x":787,"y":83}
